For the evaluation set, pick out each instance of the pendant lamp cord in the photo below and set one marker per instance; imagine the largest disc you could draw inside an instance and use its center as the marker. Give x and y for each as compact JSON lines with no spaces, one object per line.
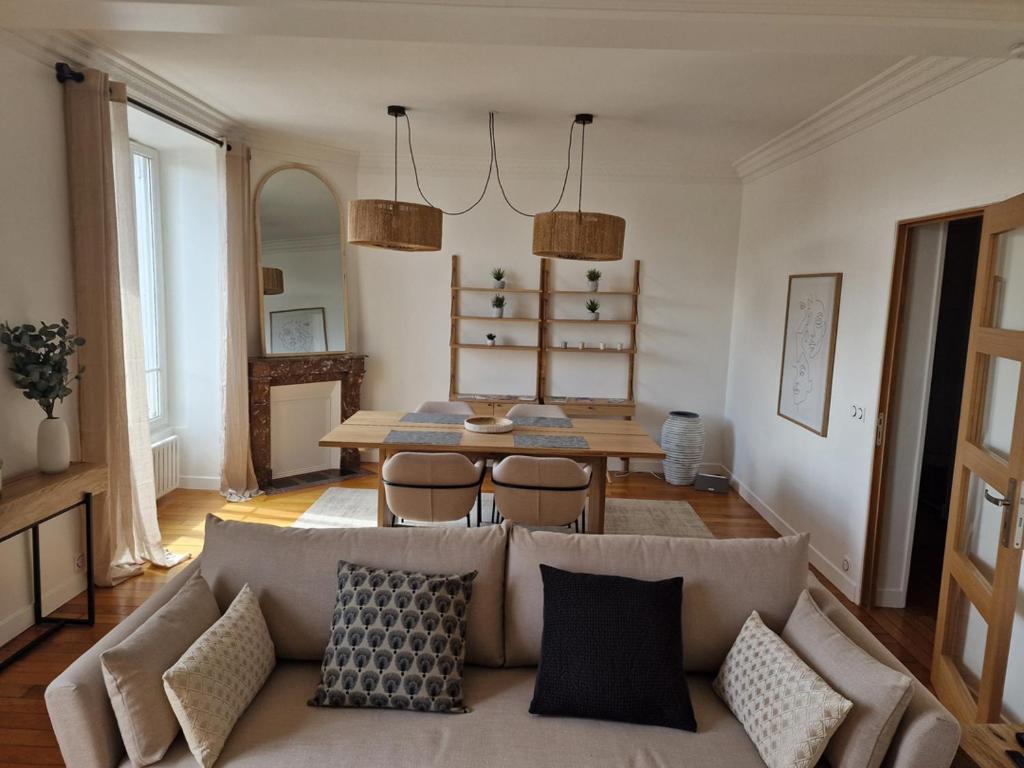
{"x":493,"y":169}
{"x":583,"y":144}
{"x":396,"y":158}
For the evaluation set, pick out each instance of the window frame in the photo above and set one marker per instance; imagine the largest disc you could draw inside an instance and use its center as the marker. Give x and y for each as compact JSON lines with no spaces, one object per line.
{"x":159,"y":425}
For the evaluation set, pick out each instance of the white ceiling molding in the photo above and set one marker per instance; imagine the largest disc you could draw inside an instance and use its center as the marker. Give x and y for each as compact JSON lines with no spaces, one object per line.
{"x":148,"y":87}
{"x":293,"y":149}
{"x":906,"y":83}
{"x":458,"y":166}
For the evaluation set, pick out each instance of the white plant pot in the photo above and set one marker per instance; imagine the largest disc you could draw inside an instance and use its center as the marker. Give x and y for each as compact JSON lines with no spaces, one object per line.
{"x":497,"y":311}
{"x":592,"y":285}
{"x":499,"y":284}
{"x":490,"y":342}
{"x":595,"y":315}
{"x":53,"y":448}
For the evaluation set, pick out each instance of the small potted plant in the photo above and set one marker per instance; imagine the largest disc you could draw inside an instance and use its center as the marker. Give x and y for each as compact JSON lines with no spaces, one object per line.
{"x":499,"y":277}
{"x":593,"y":305}
{"x":490,"y":339}
{"x":39,"y":362}
{"x":498,"y":305}
{"x":593,"y":277}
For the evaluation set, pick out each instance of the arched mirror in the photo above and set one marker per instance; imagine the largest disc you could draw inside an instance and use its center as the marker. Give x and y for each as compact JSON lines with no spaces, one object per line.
{"x":302,"y":275}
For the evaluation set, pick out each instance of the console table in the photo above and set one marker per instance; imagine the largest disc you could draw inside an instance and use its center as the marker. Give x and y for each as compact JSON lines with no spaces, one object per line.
{"x":278,"y":370}
{"x":27,"y":502}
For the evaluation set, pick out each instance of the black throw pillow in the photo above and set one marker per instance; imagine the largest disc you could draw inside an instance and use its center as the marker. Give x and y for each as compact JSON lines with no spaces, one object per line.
{"x":612,"y":649}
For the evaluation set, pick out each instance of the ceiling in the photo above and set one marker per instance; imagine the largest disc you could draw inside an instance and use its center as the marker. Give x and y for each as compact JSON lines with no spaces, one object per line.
{"x":686,"y":85}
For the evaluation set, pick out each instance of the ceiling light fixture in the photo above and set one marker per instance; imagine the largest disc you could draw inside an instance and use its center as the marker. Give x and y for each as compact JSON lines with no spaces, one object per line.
{"x":579,"y":234}
{"x":396,"y":225}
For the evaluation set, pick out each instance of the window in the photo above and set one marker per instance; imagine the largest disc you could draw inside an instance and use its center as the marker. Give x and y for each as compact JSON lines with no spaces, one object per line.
{"x":145,"y":164}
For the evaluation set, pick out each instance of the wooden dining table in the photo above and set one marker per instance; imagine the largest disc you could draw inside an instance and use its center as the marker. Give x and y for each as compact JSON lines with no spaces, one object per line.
{"x":589,"y":441}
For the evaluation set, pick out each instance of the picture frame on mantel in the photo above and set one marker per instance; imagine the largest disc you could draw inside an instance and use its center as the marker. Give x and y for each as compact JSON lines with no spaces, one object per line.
{"x":298,"y":331}
{"x":808,"y":349}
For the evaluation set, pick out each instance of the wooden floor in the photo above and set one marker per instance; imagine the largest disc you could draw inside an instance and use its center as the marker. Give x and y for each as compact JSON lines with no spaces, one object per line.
{"x":25,"y":734}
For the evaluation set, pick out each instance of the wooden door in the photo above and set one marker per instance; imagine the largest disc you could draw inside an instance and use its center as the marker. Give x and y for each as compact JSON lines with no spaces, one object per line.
{"x":981,"y":570}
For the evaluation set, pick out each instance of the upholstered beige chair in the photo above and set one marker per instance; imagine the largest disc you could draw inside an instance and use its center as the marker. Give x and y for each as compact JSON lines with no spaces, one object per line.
{"x":529,"y":409}
{"x":540,"y":491}
{"x":445,"y":406}
{"x":432,"y":487}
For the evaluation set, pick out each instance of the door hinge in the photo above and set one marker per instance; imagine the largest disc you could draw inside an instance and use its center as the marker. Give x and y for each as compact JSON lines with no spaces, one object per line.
{"x":880,"y":428}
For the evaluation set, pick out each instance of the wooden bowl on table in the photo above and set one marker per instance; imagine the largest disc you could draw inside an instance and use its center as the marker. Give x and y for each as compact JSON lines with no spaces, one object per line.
{"x":488,"y":424}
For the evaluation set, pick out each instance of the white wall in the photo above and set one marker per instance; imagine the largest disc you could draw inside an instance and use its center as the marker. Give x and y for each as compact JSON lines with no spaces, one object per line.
{"x":684,"y":233}
{"x":909,"y":417}
{"x":35,"y":285}
{"x":837,"y":211}
{"x":191,"y":216}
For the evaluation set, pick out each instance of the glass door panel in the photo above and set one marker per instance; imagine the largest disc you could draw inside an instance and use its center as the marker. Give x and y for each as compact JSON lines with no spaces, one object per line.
{"x":999,"y":405}
{"x":1007,"y":306}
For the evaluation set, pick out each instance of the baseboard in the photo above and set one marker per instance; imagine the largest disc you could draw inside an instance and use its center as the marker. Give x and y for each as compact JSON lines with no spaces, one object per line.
{"x":834,"y":573}
{"x":301,"y":471}
{"x":22,"y":618}
{"x":199,"y":483}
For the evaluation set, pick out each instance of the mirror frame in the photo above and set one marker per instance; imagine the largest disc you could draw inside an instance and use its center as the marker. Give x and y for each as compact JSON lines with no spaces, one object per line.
{"x":259,"y":257}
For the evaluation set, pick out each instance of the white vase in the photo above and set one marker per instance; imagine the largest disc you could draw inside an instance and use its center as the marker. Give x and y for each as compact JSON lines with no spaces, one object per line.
{"x":497,"y":311}
{"x":682,"y":439}
{"x":490,"y":342}
{"x":595,"y":315}
{"x":53,"y":448}
{"x":592,"y":285}
{"x":499,"y":284}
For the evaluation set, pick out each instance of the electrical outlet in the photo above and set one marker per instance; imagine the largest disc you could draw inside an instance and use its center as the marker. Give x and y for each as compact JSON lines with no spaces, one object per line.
{"x":80,"y":561}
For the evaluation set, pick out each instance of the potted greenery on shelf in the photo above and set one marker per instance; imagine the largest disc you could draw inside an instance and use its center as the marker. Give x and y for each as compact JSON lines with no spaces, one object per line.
{"x":592,"y":306}
{"x":499,"y":277}
{"x":593,"y":277}
{"x":39,"y":364}
{"x":490,"y":339}
{"x":498,"y":305}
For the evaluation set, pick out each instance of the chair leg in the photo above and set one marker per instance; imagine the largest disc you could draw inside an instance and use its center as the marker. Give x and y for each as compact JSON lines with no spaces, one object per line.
{"x":583,"y":515}
{"x":494,"y":510}
{"x":469,"y":520}
{"x":479,"y":506}
{"x":577,"y":521}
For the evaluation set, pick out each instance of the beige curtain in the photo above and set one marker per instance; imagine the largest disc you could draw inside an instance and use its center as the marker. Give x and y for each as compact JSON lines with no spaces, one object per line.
{"x":111,"y":396}
{"x":237,"y":478}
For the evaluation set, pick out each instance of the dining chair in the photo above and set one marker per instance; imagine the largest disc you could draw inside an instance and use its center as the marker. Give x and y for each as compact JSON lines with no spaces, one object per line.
{"x":432,"y":487}
{"x":445,"y":406}
{"x":540,"y":491}
{"x":526,"y":410}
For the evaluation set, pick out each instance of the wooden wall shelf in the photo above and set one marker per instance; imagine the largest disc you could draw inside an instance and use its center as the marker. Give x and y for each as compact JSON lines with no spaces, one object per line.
{"x":574,"y":406}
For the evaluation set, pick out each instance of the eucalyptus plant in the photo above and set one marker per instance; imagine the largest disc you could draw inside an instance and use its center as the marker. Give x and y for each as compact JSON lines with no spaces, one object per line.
{"x":39,"y":360}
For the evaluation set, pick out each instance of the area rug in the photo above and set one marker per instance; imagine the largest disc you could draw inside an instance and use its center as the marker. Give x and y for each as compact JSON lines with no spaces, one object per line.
{"x":357,"y":508}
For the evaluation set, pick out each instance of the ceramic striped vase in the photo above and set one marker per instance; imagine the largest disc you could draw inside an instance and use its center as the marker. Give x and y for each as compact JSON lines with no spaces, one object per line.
{"x":682,"y":439}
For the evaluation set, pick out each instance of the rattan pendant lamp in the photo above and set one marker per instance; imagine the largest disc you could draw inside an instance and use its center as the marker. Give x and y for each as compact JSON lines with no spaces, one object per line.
{"x":394,"y":224}
{"x":581,"y":235}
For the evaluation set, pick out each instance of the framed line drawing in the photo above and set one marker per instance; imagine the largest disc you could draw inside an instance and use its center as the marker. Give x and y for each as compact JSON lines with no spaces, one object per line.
{"x":808,"y":349}
{"x":298,"y":331}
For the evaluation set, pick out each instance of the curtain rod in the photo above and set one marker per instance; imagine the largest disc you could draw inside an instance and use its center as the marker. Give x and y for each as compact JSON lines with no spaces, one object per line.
{"x":65,"y":73}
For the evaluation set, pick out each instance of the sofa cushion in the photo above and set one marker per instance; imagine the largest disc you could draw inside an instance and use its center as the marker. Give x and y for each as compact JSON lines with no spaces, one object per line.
{"x":211,"y":685}
{"x":294,"y":573}
{"x":716,"y":602}
{"x":279,"y":730}
{"x":880,"y":694}
{"x":787,"y":709}
{"x":612,"y":650}
{"x":133,"y":670}
{"x":397,"y":641}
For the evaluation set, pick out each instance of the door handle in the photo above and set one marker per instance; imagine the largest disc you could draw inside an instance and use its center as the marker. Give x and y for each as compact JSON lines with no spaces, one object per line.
{"x":996,"y":500}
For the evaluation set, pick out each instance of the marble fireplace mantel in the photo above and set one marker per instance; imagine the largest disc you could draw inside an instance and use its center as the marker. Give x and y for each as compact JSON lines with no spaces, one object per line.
{"x":267,"y":372}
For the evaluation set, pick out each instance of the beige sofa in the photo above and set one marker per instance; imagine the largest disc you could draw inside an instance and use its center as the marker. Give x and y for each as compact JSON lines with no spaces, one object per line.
{"x":293,"y":572}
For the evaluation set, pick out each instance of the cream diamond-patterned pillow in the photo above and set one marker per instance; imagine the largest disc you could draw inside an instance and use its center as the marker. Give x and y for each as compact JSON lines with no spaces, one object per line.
{"x":211,"y":685}
{"x":788,"y":711}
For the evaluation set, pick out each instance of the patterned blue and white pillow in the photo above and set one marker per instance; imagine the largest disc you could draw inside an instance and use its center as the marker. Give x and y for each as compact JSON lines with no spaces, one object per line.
{"x":398,"y":641}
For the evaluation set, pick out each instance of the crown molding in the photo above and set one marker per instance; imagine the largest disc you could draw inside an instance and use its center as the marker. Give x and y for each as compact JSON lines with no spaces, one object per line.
{"x":80,"y":51}
{"x":300,"y":244}
{"x":906,"y":83}
{"x":457,"y":166}
{"x":291,"y":148}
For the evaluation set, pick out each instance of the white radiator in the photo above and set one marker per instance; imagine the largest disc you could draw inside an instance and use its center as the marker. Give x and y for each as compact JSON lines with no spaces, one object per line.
{"x":166,"y":472}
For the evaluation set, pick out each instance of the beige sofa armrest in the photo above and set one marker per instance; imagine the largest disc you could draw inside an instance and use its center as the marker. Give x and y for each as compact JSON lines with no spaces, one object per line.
{"x":928,"y":735}
{"x":77,"y":700}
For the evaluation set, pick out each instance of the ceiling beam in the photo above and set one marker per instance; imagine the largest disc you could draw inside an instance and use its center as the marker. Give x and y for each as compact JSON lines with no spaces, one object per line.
{"x":966,"y":28}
